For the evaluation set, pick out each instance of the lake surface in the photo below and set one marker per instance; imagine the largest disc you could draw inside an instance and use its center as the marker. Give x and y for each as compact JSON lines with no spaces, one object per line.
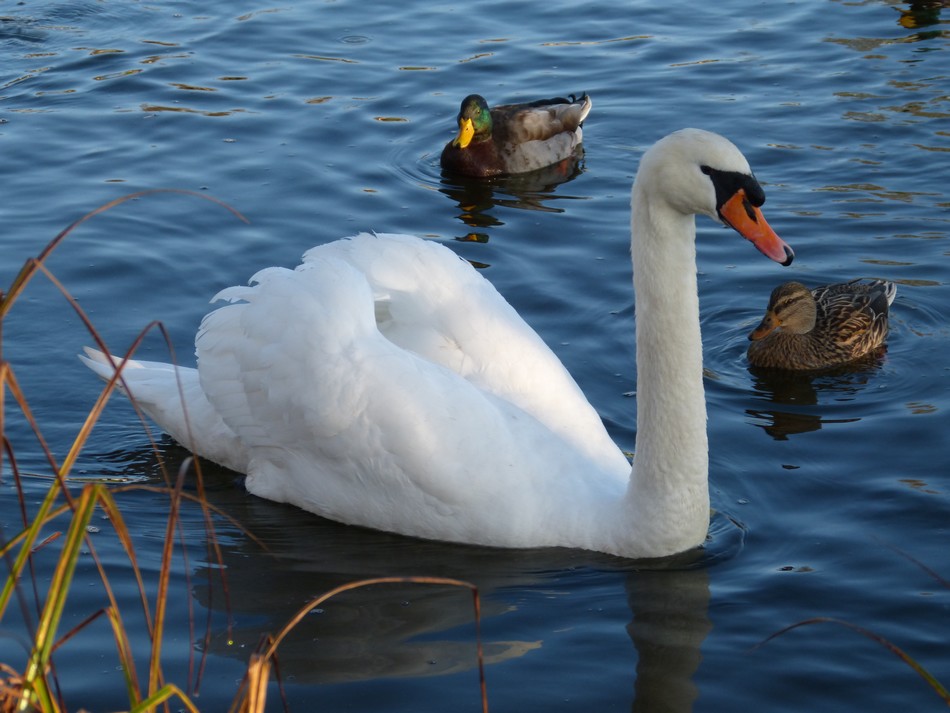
{"x":318,"y":120}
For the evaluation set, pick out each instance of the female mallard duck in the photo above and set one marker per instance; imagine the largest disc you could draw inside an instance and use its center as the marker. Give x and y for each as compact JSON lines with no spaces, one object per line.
{"x":386,"y":383}
{"x":514,"y":138}
{"x":829,"y":325}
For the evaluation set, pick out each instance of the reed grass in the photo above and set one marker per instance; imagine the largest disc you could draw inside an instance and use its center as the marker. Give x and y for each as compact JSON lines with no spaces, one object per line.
{"x":882,"y":641}
{"x":68,"y":515}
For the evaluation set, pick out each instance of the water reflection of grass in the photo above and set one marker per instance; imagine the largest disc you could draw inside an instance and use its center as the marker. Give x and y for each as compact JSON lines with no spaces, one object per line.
{"x":63,"y":519}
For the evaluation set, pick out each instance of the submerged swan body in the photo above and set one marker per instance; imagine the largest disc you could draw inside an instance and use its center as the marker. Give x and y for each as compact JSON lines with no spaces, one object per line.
{"x":385,"y":383}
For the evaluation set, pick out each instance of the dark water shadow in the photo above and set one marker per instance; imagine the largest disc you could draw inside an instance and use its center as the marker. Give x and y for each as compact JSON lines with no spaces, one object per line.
{"x":478,"y":198}
{"x":670,"y":622}
{"x":794,"y":396}
{"x":414,"y":630}
{"x":921,"y":14}
{"x":480,"y":203}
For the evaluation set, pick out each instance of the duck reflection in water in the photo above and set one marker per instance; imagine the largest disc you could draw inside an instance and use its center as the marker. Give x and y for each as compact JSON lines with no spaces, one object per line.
{"x":922,"y":13}
{"x":805,"y":401}
{"x":477,"y":198}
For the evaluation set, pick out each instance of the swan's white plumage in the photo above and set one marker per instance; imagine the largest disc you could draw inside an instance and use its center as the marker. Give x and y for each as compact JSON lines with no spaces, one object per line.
{"x":197,"y":426}
{"x":385,"y":383}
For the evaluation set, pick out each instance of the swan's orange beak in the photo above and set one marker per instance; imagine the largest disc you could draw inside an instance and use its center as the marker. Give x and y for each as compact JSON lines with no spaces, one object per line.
{"x":768,"y":325}
{"x":747,"y":220}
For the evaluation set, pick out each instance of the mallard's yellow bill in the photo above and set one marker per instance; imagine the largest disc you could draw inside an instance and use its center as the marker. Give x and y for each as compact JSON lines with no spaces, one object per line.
{"x":466,"y":132}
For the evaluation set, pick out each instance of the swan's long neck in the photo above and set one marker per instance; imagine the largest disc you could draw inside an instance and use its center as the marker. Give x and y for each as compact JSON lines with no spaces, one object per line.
{"x":669,"y":491}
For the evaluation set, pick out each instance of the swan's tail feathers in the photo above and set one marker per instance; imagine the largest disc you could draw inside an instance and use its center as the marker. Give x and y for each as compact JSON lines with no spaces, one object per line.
{"x":104,"y":365}
{"x":172,"y":397}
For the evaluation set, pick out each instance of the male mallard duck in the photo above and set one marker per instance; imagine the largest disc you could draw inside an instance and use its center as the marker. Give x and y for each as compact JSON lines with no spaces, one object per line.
{"x":514,"y":138}
{"x":829,"y":325}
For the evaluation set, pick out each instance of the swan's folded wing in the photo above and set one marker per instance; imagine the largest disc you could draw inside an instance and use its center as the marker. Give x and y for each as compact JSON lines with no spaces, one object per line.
{"x":341,"y":421}
{"x":433,"y":303}
{"x":271,"y":348}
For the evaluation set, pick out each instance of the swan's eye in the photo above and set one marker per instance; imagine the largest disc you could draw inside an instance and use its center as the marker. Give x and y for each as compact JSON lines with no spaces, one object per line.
{"x":754,"y":191}
{"x":729,"y":183}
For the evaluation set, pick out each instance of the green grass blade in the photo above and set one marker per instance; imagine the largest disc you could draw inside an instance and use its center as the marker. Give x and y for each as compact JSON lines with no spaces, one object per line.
{"x":114,"y":513}
{"x":28,"y":540}
{"x":34,"y":677}
{"x":124,"y":650}
{"x":161,"y":696}
{"x":161,"y":597}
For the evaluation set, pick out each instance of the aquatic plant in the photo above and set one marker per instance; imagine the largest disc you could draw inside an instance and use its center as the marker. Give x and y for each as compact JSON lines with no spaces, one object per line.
{"x":63,"y":519}
{"x":884,"y":642}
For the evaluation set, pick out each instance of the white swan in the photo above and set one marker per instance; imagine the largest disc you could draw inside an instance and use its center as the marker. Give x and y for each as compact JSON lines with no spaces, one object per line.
{"x":385,"y":383}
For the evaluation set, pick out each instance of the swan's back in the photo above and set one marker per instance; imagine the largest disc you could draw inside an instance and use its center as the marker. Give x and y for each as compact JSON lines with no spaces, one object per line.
{"x":385,"y":383}
{"x":433,"y":303}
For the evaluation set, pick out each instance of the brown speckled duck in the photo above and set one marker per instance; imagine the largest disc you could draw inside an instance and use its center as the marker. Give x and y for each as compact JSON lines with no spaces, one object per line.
{"x":514,"y":138}
{"x":829,"y":325}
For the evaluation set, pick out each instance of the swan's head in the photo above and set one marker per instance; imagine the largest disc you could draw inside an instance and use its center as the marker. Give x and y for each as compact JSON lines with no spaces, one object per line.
{"x":701,"y":173}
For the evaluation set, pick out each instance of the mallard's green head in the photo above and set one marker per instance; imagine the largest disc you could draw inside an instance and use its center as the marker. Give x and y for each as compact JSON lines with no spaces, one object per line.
{"x":474,"y":121}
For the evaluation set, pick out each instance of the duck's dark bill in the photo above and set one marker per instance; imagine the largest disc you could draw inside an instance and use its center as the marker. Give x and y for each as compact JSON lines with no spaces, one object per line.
{"x":768,"y":325}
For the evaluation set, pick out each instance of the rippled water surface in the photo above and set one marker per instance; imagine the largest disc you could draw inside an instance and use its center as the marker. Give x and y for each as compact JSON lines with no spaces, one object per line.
{"x":317,"y":120}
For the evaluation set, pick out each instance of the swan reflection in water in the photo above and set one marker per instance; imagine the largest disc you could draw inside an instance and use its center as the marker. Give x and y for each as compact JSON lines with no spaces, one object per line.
{"x":414,"y":630}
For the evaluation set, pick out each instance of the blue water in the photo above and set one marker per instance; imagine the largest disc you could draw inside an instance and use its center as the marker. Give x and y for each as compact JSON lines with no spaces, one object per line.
{"x":318,"y":120}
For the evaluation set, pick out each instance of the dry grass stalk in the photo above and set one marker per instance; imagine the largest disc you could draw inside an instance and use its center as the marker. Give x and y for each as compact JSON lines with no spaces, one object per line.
{"x":910,"y":661}
{"x":37,"y":688}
